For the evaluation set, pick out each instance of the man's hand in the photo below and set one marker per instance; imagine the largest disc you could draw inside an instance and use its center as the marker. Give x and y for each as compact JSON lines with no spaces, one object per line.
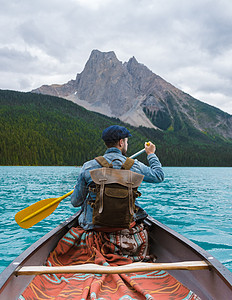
{"x":149,"y":148}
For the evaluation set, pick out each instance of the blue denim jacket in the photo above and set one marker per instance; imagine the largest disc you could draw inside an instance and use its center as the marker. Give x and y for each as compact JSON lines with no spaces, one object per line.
{"x":81,"y":194}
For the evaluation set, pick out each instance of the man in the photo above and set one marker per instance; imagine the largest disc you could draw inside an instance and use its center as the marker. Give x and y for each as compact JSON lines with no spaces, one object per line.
{"x":83,"y":246}
{"x":116,"y":140}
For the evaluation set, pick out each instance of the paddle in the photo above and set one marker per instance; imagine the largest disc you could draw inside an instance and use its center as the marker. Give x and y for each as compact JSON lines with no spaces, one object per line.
{"x":38,"y":211}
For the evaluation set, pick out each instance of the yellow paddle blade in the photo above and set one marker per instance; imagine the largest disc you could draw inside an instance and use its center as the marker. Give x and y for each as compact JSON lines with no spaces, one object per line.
{"x":38,"y":211}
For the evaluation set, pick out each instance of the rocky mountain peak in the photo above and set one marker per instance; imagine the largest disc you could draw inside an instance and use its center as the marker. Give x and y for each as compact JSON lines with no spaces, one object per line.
{"x":132,"y":62}
{"x":99,"y":60}
{"x":98,"y":55}
{"x":136,"y":95}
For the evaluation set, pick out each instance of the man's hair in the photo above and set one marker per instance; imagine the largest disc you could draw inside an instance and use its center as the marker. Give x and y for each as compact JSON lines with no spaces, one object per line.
{"x":110,"y":144}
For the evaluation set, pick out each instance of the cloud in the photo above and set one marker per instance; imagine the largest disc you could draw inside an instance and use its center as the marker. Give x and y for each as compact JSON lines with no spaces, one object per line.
{"x":188,"y":43}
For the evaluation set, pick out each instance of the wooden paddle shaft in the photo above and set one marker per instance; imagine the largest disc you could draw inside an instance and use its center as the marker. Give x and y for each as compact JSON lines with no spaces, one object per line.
{"x":139,"y":152}
{"x":98,"y":269}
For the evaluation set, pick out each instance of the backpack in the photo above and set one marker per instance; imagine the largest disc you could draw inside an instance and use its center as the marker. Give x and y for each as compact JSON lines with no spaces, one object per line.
{"x":116,"y":191}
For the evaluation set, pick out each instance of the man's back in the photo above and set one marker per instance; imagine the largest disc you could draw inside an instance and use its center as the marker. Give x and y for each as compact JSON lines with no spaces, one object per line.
{"x":81,"y":195}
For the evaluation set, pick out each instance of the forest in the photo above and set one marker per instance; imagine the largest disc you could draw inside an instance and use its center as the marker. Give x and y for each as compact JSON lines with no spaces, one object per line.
{"x":37,"y":130}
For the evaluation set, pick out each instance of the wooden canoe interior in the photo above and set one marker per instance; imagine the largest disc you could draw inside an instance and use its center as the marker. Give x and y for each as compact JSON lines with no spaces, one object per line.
{"x":167,"y":245}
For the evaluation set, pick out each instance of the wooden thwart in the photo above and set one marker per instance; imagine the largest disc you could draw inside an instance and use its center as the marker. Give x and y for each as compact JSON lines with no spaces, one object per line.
{"x":97,"y":269}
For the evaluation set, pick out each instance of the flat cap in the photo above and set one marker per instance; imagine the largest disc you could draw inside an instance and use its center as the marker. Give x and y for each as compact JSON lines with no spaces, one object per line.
{"x":115,"y":133}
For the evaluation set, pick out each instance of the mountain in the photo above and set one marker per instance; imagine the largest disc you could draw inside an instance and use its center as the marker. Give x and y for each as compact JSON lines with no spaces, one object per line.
{"x":134,"y":94}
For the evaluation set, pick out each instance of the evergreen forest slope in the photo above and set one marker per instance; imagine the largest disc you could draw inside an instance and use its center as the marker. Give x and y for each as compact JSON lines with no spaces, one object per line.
{"x":38,"y":129}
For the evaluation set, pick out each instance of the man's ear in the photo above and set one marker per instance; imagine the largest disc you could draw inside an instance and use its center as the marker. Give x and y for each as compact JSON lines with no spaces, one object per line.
{"x":121,"y":141}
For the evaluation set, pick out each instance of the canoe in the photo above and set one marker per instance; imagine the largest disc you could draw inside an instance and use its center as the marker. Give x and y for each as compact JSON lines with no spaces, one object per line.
{"x":209,"y":279}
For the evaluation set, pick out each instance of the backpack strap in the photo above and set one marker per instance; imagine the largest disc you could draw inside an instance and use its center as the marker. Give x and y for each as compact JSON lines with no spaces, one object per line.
{"x":128,"y":163}
{"x":102,"y":161}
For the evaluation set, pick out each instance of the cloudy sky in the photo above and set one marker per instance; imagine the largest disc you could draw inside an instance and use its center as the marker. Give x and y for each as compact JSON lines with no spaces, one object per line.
{"x":186,"y":42}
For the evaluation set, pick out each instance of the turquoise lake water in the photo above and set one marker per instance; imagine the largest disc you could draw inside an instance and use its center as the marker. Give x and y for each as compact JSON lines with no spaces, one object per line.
{"x":196,"y":202}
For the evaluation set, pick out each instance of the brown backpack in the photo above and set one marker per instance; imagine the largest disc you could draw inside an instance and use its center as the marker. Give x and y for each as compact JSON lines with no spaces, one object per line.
{"x":116,"y":191}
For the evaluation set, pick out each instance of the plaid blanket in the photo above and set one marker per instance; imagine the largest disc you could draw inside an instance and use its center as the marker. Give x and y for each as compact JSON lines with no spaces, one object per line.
{"x":118,"y":248}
